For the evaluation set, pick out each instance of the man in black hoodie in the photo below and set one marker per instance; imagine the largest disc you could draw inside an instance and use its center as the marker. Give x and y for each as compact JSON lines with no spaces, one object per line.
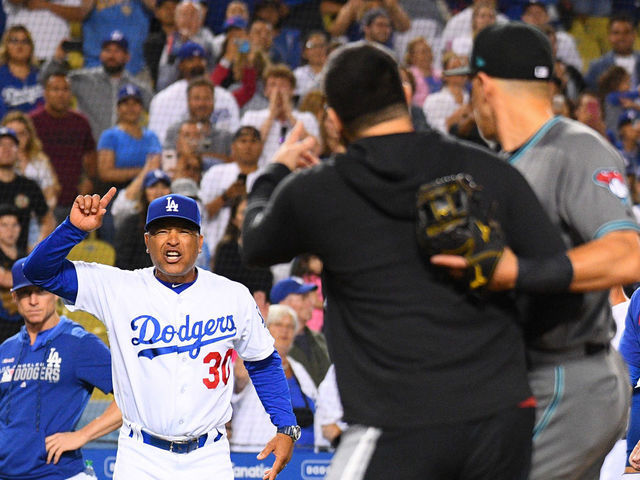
{"x":433,"y":381}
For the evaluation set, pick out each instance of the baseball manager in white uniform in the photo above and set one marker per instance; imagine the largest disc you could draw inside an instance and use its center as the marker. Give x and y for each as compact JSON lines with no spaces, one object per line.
{"x":172,"y":329}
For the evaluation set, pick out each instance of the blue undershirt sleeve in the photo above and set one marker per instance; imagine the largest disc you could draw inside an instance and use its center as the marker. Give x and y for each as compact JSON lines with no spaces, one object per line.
{"x":272,"y":388}
{"x":47,"y":265}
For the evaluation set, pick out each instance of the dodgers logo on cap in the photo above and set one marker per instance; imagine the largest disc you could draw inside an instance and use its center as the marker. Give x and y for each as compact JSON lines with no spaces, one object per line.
{"x":129,"y":91}
{"x":173,"y":206}
{"x":155,"y":176}
{"x":117,"y":37}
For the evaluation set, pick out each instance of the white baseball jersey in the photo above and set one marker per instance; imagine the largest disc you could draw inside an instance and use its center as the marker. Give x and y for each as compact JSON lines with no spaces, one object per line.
{"x":171,"y":352}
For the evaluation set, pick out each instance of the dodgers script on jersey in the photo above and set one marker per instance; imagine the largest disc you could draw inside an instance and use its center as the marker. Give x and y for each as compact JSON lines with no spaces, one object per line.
{"x":170,"y":342}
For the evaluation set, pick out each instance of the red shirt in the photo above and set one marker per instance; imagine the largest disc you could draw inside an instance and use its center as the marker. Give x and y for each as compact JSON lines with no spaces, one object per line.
{"x":65,"y":140}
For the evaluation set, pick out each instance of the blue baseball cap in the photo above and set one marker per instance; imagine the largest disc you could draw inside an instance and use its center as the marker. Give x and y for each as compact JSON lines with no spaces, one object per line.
{"x":289,"y":285}
{"x":628,"y":116}
{"x":173,"y":206}
{"x":129,"y":91}
{"x":190,"y":50}
{"x":9,"y":132}
{"x":19,"y":280}
{"x":118,"y":38}
{"x":234,"y":22}
{"x":155,"y":176}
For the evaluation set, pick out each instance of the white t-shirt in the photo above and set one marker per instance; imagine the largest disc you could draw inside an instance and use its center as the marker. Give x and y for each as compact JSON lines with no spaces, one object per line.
{"x":306,"y":80}
{"x":278,"y":131}
{"x":47,"y":29}
{"x":439,"y":106}
{"x":328,"y":406}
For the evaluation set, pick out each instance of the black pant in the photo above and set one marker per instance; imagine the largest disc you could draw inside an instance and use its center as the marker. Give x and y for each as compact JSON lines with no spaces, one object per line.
{"x":493,"y":448}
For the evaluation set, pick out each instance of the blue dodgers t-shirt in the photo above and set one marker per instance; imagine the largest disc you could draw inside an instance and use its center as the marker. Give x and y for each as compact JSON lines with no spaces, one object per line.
{"x":44,"y":388}
{"x":130,"y":152}
{"x":17,"y":94}
{"x":129,"y":17}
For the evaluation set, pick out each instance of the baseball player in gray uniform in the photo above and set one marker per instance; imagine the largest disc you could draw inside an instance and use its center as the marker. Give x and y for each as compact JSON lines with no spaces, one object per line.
{"x":580,"y":384}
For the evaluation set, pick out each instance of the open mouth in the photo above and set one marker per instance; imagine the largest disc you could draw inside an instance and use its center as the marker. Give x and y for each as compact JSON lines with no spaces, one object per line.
{"x":172,"y":256}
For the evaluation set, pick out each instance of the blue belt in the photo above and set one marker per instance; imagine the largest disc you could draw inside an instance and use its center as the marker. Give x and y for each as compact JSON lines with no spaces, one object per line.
{"x":176,"y":446}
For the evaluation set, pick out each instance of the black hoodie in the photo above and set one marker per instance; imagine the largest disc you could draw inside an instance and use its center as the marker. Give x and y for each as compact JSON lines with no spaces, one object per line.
{"x":409,"y":349}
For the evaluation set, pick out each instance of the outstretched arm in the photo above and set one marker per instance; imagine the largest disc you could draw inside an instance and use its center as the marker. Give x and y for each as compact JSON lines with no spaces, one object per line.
{"x":599,"y":264}
{"x":47,"y":266}
{"x":259,"y":230}
{"x":61,"y":442}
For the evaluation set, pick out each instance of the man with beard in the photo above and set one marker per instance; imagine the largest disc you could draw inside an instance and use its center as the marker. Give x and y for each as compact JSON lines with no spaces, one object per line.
{"x":215,"y":144}
{"x":96,"y":89}
{"x":170,"y":105}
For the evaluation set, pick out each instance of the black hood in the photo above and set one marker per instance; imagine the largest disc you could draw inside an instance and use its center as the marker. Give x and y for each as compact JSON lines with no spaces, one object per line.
{"x":387,"y":170}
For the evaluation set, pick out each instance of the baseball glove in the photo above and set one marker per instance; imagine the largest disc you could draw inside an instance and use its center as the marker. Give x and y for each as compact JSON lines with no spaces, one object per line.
{"x":453,"y":220}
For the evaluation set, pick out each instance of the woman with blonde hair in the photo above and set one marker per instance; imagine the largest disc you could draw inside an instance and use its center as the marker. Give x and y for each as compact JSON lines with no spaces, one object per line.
{"x":32,"y":162}
{"x":19,"y":86}
{"x":418,"y":59}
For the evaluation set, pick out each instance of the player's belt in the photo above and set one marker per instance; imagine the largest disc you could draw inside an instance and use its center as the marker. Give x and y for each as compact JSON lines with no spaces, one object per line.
{"x":176,"y":446}
{"x":544,"y":357}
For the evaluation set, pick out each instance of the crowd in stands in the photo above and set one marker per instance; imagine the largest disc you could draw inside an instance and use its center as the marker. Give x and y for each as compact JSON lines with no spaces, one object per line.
{"x":194,"y":97}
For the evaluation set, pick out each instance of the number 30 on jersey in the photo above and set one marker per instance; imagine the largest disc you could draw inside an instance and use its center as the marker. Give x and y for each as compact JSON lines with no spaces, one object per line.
{"x":219,"y":368}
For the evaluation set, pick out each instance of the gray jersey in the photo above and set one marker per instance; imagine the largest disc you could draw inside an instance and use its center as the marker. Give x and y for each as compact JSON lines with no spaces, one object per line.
{"x":579,"y":179}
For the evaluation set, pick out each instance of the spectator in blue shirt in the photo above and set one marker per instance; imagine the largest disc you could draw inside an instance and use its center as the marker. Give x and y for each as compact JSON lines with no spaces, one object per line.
{"x":131,"y":17}
{"x":19,"y":87}
{"x":123,"y":149}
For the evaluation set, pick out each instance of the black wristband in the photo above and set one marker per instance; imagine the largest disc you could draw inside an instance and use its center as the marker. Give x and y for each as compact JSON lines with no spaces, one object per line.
{"x":544,"y":275}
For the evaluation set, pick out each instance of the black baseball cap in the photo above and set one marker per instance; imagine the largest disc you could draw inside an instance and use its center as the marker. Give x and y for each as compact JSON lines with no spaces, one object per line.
{"x":247,"y":130}
{"x":512,"y":50}
{"x":534,"y":3}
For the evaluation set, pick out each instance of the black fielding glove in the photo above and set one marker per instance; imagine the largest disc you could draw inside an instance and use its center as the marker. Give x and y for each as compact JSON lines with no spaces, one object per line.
{"x":452,"y":220}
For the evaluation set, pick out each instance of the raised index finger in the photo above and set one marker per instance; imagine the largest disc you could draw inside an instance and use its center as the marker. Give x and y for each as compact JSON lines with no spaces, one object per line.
{"x":104,"y":201}
{"x":296,"y":133}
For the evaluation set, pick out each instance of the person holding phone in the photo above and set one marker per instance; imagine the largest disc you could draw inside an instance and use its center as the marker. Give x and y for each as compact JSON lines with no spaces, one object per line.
{"x":589,"y":112}
{"x":189,"y":18}
{"x":236,"y":70}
